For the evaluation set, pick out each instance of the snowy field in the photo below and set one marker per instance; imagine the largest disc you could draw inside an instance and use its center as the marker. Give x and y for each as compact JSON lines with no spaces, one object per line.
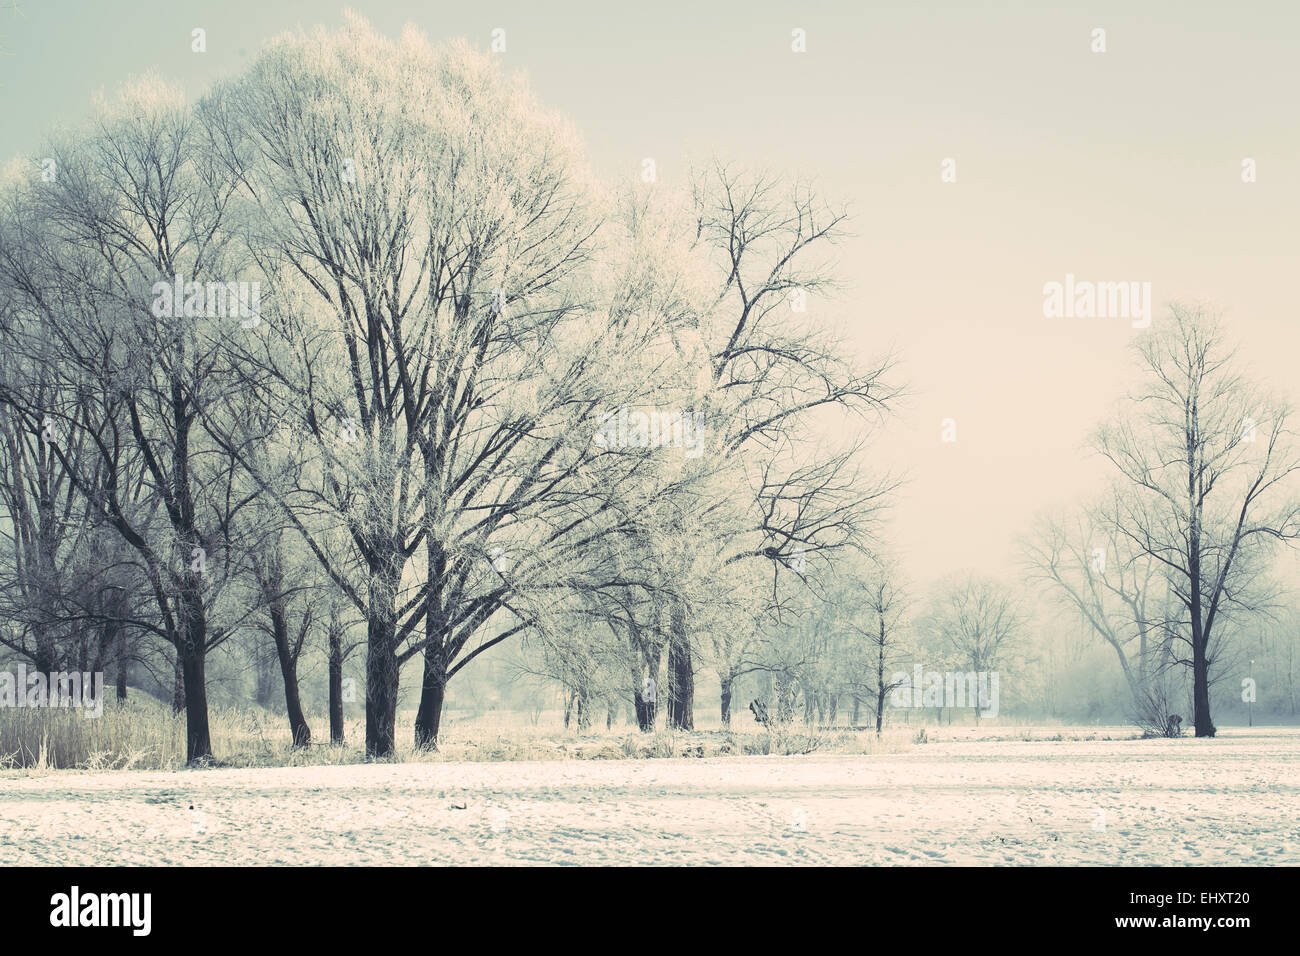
{"x":1235,"y":799}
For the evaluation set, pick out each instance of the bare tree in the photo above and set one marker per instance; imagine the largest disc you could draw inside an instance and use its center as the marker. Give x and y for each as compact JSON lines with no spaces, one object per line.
{"x":288,"y":599}
{"x":770,"y":374}
{"x":978,"y":620}
{"x":136,"y":209}
{"x":1117,"y":588}
{"x":1208,"y":460}
{"x":882,"y":626}
{"x":436,"y":306}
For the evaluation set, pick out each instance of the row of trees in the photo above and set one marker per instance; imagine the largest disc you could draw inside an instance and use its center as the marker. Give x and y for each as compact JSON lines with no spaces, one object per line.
{"x":337,"y":349}
{"x":1171,"y":569}
{"x":848,"y":642}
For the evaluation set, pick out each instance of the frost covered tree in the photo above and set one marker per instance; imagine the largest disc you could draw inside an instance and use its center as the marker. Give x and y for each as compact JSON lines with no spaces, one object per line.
{"x":1208,"y":463}
{"x":106,"y":268}
{"x":772,"y":376}
{"x":1117,"y":588}
{"x":975,"y":621}
{"x":878,"y":620}
{"x":365,"y":305}
{"x":443,"y":334}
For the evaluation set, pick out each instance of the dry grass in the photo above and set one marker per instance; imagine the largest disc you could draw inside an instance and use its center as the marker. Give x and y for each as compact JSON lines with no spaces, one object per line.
{"x":143,"y":734}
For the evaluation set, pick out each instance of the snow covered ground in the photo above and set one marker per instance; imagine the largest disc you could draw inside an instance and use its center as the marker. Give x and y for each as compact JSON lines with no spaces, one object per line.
{"x":1235,"y":799}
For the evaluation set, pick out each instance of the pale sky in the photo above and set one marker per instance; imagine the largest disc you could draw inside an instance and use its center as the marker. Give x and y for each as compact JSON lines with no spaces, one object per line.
{"x":1117,"y":166}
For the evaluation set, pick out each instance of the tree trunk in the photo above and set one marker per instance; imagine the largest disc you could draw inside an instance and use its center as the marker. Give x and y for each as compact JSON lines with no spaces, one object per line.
{"x":784,"y":698}
{"x":881,"y":644}
{"x":433,"y":689}
{"x":47,"y":654}
{"x":178,"y":686}
{"x":1201,"y":692}
{"x":45,"y":657}
{"x":645,"y":690}
{"x":1200,"y":639}
{"x":336,"y":682}
{"x":198,"y":741}
{"x":726,"y":702}
{"x":645,"y":707}
{"x":433,"y":692}
{"x":381,"y":684}
{"x":681,"y":700}
{"x":1200,"y":663}
{"x":298,"y":728}
{"x":122,"y":663}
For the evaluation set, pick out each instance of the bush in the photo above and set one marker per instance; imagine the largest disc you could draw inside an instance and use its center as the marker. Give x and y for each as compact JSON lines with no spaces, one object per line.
{"x":1153,"y":714}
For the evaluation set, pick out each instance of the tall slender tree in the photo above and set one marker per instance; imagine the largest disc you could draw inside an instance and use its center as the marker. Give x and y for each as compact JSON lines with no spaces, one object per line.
{"x":1209,"y":461}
